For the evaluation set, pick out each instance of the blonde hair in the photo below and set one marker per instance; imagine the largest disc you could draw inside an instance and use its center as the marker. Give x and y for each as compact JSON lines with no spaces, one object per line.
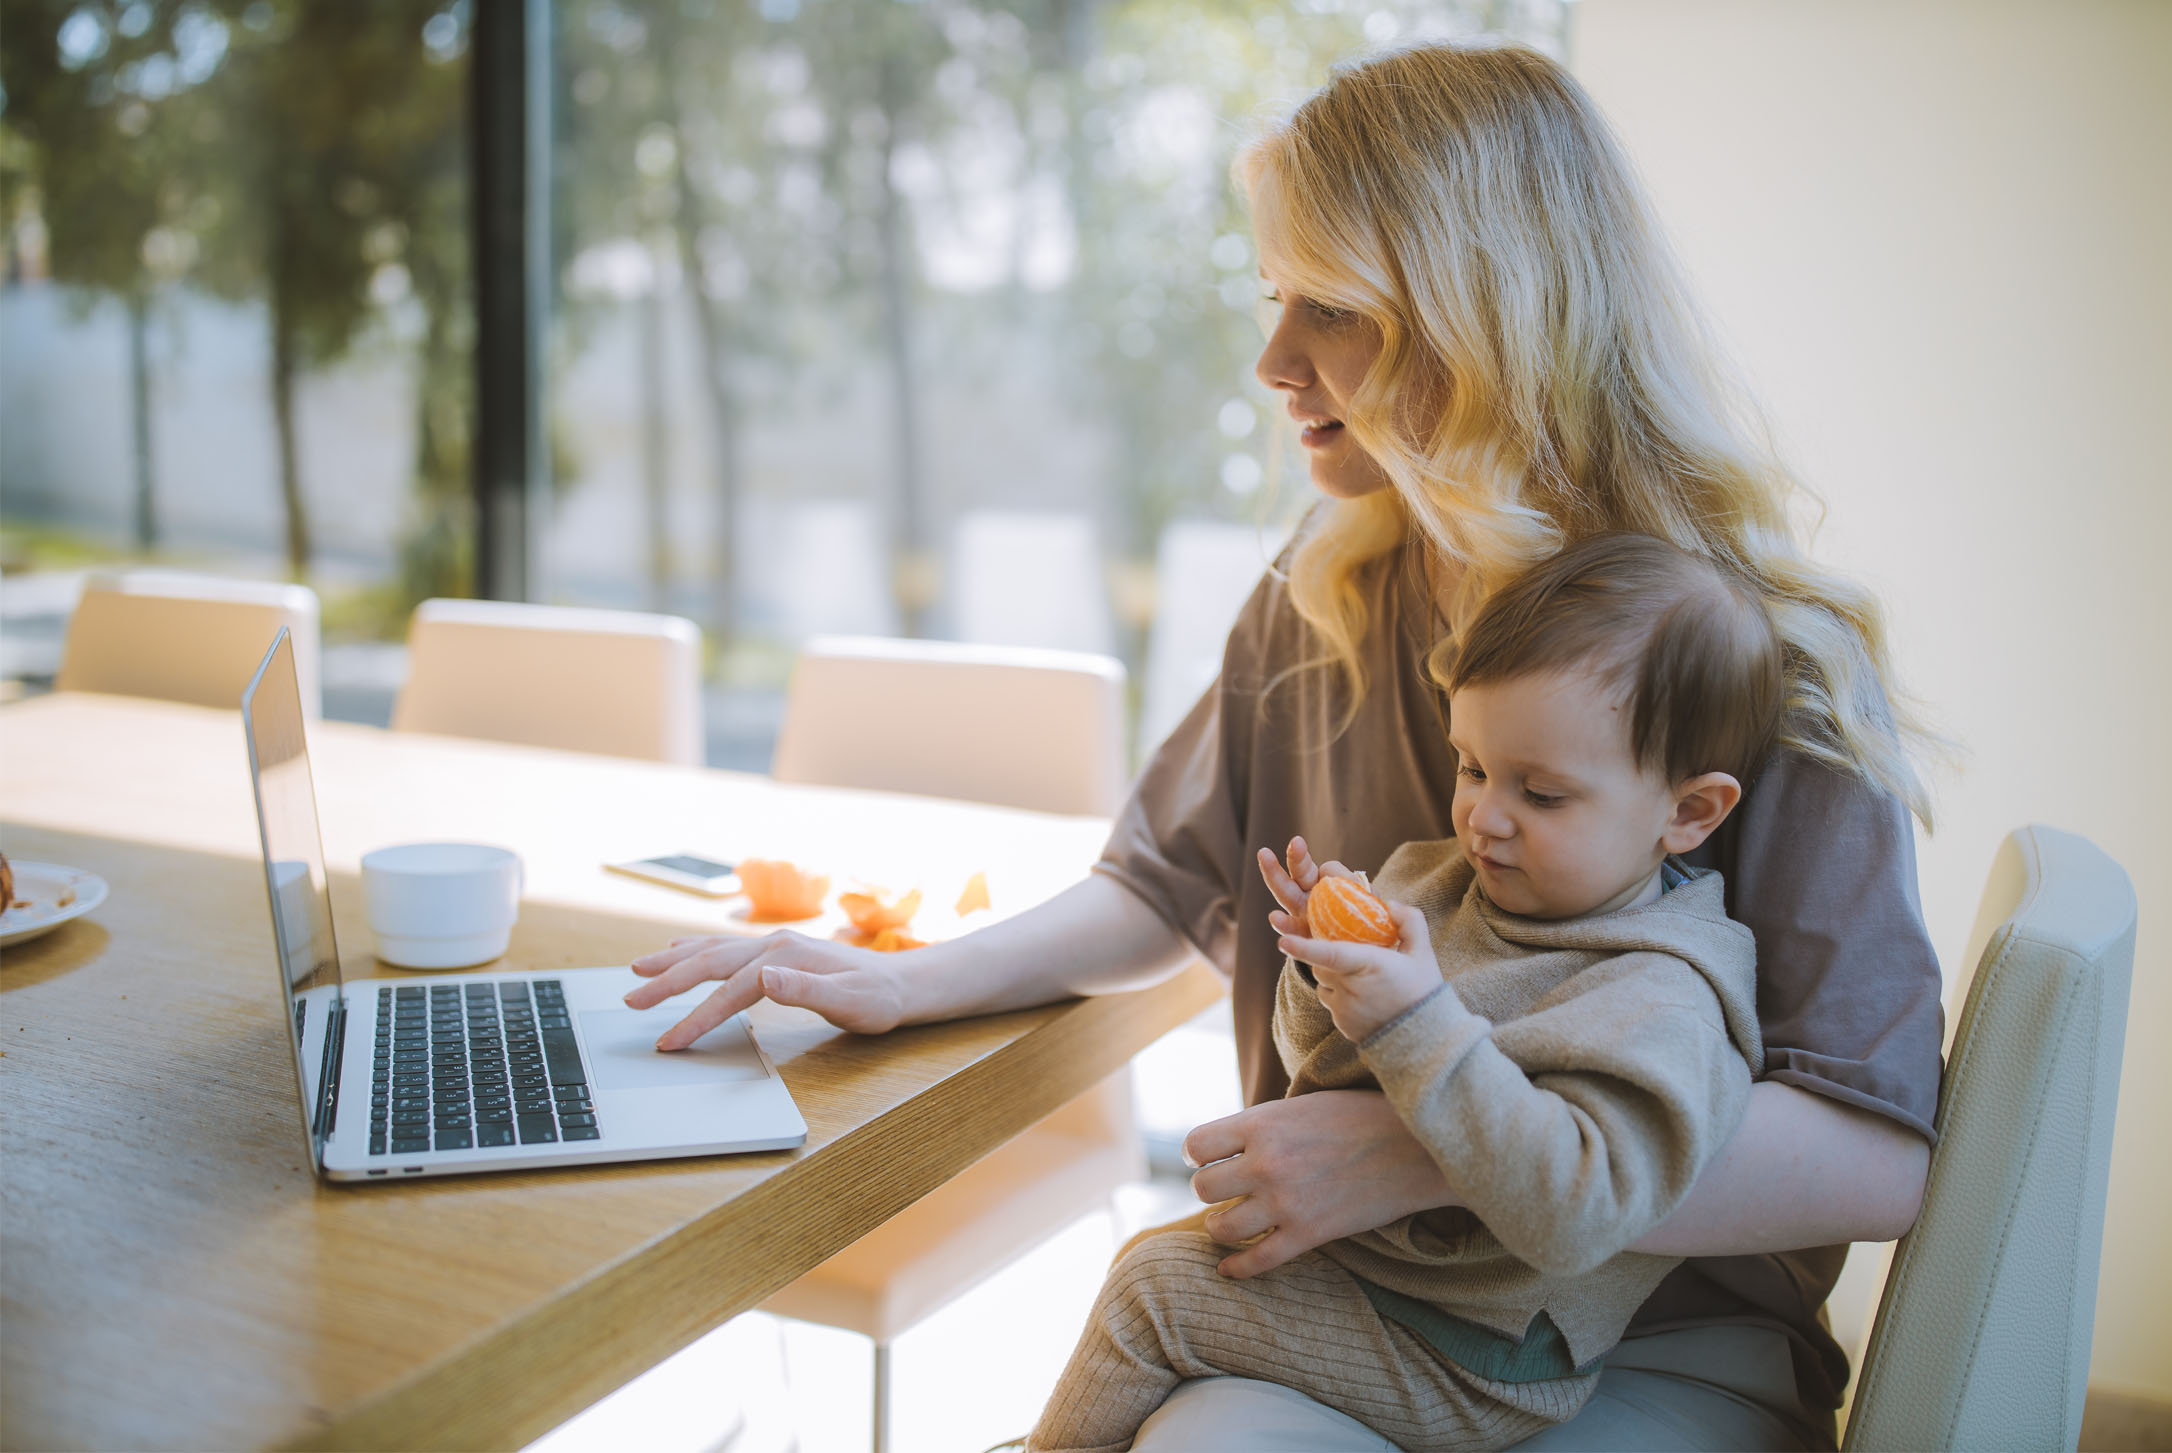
{"x":1542,"y":375}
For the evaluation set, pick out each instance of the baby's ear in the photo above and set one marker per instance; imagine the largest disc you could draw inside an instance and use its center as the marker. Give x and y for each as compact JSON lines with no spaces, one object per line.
{"x":1701,"y":804}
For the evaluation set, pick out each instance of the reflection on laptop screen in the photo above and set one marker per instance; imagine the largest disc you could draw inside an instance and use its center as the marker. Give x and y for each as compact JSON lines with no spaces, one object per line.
{"x":301,"y":902}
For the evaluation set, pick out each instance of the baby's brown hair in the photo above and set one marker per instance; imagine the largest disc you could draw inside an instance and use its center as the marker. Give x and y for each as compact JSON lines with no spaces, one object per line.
{"x":1688,"y":642}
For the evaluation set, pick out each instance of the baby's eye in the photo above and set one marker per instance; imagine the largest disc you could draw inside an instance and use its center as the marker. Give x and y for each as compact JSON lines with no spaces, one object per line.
{"x":1471,"y":770}
{"x":1542,"y":799}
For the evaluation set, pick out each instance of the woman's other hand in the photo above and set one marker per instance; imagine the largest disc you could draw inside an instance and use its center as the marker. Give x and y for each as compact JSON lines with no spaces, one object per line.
{"x":853,"y":988}
{"x":1305,"y":1171}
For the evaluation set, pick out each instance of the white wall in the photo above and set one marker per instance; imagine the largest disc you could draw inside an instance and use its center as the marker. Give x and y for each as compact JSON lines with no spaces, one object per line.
{"x":1938,"y":235}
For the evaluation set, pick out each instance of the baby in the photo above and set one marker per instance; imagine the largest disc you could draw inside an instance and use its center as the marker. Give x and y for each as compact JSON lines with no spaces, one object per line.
{"x":1568,"y":1024}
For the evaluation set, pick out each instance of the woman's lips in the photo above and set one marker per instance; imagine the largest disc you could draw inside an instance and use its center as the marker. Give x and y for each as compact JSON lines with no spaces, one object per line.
{"x":1319,"y":436}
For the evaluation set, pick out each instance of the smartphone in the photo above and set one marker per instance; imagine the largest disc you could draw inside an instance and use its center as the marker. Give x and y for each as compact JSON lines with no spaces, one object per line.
{"x":689,"y":871}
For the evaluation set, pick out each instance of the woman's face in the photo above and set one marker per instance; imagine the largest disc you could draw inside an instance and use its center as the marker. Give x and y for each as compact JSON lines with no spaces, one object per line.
{"x":1317,"y":355}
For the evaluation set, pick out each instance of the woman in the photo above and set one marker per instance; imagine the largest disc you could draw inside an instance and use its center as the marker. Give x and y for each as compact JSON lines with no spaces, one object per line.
{"x":1489,"y":353}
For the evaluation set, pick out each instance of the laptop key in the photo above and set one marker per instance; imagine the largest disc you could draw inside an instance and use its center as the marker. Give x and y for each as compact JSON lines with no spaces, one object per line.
{"x":409,"y":1147}
{"x":577,"y":1118}
{"x":583,"y":1132}
{"x":491,"y":1113}
{"x":377,"y":1145}
{"x":487,"y":1134}
{"x":535,"y":1128}
{"x":454,"y":1140}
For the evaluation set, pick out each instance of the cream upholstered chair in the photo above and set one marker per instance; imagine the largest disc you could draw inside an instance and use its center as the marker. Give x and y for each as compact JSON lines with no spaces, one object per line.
{"x":1023,"y":728}
{"x":618,"y":683}
{"x":1982,"y":1337}
{"x":1014,"y":725}
{"x":186,"y":637}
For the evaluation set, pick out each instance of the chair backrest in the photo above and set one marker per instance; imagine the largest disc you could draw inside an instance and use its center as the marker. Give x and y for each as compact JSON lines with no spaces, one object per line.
{"x":1204,"y":572}
{"x":1004,"y":724}
{"x":1982,"y":1337}
{"x":618,"y":683}
{"x":184,"y":637}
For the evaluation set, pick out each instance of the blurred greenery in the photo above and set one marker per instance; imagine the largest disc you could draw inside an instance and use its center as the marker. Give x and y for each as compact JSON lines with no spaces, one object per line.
{"x":787,"y":173}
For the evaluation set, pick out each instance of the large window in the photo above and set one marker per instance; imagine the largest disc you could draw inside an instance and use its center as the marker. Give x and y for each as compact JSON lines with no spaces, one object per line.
{"x":930,"y":316}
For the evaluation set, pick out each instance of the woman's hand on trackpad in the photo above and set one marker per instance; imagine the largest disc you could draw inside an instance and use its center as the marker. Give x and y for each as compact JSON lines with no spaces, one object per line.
{"x":853,"y":988}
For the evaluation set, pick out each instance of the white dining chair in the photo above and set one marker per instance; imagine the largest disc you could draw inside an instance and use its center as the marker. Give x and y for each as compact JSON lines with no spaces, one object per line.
{"x":1038,"y":729}
{"x":1203,"y":572}
{"x":617,"y":683}
{"x":1029,"y":578}
{"x":185,"y":637}
{"x":1013,"y":725}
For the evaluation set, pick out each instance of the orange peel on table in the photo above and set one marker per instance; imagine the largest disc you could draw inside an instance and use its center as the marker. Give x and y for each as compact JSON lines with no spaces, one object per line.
{"x":975,"y":895}
{"x":874,"y":911}
{"x":1345,"y":910}
{"x":781,"y":892}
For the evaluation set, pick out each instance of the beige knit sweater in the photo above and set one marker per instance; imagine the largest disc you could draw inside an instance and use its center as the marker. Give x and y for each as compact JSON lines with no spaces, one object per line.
{"x":1570,"y":1077}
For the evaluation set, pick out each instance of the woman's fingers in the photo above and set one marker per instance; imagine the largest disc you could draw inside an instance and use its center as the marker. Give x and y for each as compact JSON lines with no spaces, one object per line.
{"x":736,"y":994}
{"x":1265,"y":1254}
{"x":679,"y":949}
{"x":1238,"y":1221}
{"x":676,"y":969}
{"x":1215,"y":1140}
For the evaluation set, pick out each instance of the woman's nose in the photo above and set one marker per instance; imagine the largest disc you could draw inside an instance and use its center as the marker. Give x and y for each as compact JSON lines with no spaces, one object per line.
{"x":1282,"y":364}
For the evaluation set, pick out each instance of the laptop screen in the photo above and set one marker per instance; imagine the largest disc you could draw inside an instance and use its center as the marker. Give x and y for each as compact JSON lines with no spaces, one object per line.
{"x":301,"y":900}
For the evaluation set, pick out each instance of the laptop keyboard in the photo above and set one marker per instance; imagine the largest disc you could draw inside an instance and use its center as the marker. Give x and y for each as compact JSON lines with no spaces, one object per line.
{"x":457,"y":1066}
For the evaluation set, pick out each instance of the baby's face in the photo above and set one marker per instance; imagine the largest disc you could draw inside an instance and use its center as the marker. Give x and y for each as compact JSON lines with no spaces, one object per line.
{"x":1554,"y":813}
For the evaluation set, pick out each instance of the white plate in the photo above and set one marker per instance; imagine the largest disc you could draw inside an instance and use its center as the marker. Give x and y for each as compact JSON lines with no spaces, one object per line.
{"x":46,"y":896}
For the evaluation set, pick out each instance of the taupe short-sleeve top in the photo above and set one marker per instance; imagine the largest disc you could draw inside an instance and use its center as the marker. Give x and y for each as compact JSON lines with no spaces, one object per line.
{"x":1820,"y":868}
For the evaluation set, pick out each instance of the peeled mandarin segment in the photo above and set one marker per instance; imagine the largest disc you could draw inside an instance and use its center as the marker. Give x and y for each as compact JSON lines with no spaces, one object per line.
{"x":894,"y":940}
{"x":780,"y":892}
{"x":1341,"y":909}
{"x":870,"y":913}
{"x":975,"y":895}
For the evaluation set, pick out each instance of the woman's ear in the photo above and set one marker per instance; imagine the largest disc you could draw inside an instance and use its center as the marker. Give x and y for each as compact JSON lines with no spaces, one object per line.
{"x":1701,"y":804}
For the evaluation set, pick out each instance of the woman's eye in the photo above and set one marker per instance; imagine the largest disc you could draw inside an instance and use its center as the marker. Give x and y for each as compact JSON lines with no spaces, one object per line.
{"x":1326,"y":314}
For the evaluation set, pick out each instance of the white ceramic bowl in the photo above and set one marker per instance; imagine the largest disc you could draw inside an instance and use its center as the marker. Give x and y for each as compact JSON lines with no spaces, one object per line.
{"x":441,"y":905}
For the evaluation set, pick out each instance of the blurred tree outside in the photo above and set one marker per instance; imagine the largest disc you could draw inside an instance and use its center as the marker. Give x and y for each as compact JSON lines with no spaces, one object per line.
{"x":306,"y":155}
{"x":874,"y":213}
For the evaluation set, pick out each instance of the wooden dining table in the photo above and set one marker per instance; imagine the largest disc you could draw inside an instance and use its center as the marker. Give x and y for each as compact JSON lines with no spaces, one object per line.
{"x":174,"y":1274}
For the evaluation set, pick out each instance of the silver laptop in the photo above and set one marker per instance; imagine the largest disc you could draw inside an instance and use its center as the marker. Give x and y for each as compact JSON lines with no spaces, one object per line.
{"x":441,"y":1074}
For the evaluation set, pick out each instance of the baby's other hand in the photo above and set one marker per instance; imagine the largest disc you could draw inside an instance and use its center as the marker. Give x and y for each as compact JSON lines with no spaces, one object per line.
{"x":1291,"y":886}
{"x":1362,"y":985}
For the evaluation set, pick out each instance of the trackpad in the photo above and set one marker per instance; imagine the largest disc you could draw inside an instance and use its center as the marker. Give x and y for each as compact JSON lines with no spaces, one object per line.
{"x":622,"y":1054}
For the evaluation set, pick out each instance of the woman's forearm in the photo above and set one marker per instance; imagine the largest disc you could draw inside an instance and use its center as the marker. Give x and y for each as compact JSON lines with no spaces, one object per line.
{"x":1801,"y":1170}
{"x":1096,"y":937}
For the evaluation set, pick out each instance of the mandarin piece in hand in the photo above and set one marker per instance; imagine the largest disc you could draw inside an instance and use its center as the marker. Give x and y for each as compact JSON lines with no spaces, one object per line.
{"x":895,"y":940}
{"x":780,"y":892}
{"x":1345,"y":909}
{"x":975,"y":895}
{"x":873,"y":911}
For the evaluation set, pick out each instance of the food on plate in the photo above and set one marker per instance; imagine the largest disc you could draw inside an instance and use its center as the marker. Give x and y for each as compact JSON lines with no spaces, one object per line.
{"x":874,"y":910}
{"x":1345,"y":909}
{"x":975,"y":895}
{"x":7,"y":884}
{"x":781,"y":892}
{"x":895,"y":940}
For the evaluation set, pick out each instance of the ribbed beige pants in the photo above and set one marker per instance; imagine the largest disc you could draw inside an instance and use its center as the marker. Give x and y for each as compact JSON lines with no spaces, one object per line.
{"x":1165,"y":1314}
